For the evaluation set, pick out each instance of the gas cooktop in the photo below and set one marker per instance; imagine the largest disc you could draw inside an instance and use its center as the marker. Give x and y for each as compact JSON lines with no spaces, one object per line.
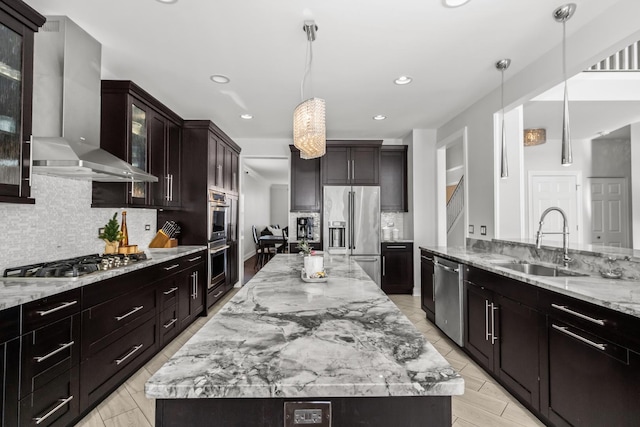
{"x":73,"y":268}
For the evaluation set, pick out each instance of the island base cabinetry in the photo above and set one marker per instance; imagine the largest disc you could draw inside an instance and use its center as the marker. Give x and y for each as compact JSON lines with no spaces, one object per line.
{"x":406,"y":411}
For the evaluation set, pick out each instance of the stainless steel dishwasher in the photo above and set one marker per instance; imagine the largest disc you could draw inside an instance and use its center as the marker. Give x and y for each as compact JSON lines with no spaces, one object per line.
{"x":448,"y":277}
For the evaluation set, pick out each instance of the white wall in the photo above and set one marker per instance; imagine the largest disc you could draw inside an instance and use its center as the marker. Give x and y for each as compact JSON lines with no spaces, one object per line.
{"x":612,"y":30}
{"x":62,"y":224}
{"x":279,"y":205}
{"x":257,"y":209}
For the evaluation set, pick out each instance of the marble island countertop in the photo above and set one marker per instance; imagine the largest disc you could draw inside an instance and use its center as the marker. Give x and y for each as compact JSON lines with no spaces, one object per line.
{"x":281,"y":337}
{"x":14,"y":292}
{"x":620,"y":295}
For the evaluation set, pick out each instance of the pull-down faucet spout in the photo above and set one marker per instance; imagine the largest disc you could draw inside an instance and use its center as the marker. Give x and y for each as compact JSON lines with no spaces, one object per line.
{"x":565,"y":234}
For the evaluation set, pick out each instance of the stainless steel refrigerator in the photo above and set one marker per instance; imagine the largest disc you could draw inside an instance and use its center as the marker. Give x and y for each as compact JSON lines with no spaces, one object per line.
{"x":351,"y":225}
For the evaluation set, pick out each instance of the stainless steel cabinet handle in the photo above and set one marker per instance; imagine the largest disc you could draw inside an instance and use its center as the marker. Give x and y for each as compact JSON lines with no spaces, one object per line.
{"x":353,"y":170}
{"x":220,"y":249}
{"x":494,"y":337}
{"x":30,"y":160}
{"x":566,"y":331}
{"x":486,"y":320}
{"x":138,"y":308}
{"x":195,"y":259}
{"x":56,"y":351}
{"x":170,"y":291}
{"x":63,"y":402}
{"x":217,"y":294}
{"x":397,"y":247}
{"x":166,"y":191}
{"x":452,"y":270}
{"x":433,"y":287}
{"x":60,"y":307}
{"x":580,"y":315}
{"x":348,"y":170}
{"x":128,"y":355}
{"x":171,"y":267}
{"x":384,"y":266}
{"x":168,"y":324}
{"x":171,"y":187}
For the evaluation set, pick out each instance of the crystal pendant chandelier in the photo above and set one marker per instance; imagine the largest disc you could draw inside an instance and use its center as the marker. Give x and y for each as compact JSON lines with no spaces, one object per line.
{"x":309,"y":127}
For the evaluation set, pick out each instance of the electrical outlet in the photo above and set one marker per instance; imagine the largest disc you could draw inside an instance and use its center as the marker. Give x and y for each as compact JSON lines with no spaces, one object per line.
{"x":100,"y":230}
{"x":147,"y":227}
{"x":471,"y":229}
{"x":483,"y":230}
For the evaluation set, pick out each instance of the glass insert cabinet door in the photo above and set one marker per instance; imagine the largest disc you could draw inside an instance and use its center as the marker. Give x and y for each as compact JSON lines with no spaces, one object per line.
{"x":138,"y":148}
{"x":10,"y":108}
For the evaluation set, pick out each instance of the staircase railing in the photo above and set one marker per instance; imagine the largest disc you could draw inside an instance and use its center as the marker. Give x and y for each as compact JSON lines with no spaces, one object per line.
{"x":455,"y":205}
{"x":623,"y":60}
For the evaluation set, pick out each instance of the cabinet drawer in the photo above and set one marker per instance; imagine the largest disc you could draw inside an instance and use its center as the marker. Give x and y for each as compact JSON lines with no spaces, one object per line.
{"x":56,"y":404}
{"x":168,"y":294}
{"x":47,"y":310}
{"x":215,"y":294}
{"x":397,"y":247}
{"x":48,"y":352}
{"x":510,"y":288}
{"x":110,"y":320}
{"x":117,"y":360}
{"x":592,"y":318}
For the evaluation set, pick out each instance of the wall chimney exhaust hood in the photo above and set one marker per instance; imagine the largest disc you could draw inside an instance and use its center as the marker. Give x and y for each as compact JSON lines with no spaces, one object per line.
{"x":66,"y":108}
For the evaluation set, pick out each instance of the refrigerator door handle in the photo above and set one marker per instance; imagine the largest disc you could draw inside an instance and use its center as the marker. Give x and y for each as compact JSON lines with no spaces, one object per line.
{"x":353,"y":220}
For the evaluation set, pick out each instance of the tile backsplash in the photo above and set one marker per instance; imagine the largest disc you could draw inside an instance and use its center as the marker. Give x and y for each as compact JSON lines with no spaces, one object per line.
{"x":394,"y":220}
{"x":62,"y":224}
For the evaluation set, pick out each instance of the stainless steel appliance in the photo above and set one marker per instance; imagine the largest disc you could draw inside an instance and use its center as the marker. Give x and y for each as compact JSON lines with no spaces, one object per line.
{"x":354,"y":213}
{"x":73,"y":268}
{"x":217,"y":263}
{"x":304,"y":228}
{"x":218,"y":209}
{"x":449,"y":297}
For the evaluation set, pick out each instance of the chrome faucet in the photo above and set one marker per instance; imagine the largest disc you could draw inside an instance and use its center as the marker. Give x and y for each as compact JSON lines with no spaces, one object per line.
{"x":565,"y":234}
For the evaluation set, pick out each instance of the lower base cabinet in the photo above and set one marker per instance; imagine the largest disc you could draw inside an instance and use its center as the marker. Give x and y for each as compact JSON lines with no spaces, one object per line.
{"x":56,"y":404}
{"x":397,"y":268}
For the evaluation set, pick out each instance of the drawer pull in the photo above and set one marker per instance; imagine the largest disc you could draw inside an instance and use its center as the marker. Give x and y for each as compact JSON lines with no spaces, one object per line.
{"x":60,"y":307}
{"x":171,"y":267}
{"x":195,"y":259}
{"x":169,"y":323}
{"x":138,"y":308}
{"x":63,"y":402}
{"x":566,"y":331}
{"x":128,"y":355}
{"x":218,"y":294}
{"x":170,"y":291}
{"x":56,"y":351}
{"x":580,"y":315}
{"x":396,"y":246}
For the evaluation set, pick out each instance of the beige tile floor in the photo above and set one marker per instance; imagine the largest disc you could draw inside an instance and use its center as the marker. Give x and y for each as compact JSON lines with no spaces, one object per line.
{"x":484,"y":402}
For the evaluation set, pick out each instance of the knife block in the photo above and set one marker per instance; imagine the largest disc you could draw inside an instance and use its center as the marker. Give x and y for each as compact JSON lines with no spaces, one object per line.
{"x":160,"y":240}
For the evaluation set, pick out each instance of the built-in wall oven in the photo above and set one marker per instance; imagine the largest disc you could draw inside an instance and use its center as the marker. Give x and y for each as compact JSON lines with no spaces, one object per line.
{"x":218,"y":209}
{"x":217,"y":263}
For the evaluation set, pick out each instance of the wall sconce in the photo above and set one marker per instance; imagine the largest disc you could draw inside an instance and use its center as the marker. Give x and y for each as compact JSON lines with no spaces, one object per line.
{"x":534,"y":137}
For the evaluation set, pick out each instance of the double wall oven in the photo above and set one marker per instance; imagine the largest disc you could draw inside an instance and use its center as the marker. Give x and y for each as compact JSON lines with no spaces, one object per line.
{"x":217,"y":244}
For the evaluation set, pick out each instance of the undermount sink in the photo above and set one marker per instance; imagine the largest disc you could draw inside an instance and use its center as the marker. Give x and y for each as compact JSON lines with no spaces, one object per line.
{"x":539,"y":269}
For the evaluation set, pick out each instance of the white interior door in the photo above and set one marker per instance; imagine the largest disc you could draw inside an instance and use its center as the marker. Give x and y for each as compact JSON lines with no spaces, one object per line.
{"x":609,"y":212}
{"x":547,"y":190}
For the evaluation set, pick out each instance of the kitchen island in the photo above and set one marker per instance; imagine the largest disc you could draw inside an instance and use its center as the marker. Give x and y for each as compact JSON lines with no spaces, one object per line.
{"x":280,"y":340}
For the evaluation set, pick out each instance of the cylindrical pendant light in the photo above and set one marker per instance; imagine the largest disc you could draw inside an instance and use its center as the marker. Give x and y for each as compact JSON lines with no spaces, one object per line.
{"x":502,"y":65}
{"x":563,"y":14}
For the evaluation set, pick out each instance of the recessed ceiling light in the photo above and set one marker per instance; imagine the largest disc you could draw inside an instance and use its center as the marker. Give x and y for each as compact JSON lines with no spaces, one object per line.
{"x":219,"y":78}
{"x":454,"y":3}
{"x":379,"y":117}
{"x":403,"y":80}
{"x":167,"y":1}
{"x":246,"y":116}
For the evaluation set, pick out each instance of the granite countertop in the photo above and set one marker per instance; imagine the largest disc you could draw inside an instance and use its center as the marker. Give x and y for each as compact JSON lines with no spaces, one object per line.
{"x":620,"y":295}
{"x":398,"y":241}
{"x":282,"y":337}
{"x":14,"y":292}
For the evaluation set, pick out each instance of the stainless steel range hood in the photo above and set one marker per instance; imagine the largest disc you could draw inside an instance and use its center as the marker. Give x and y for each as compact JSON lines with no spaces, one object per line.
{"x":66,"y":108}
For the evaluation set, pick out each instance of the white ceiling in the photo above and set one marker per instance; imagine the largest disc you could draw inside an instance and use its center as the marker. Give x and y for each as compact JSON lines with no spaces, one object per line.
{"x":171,"y":50}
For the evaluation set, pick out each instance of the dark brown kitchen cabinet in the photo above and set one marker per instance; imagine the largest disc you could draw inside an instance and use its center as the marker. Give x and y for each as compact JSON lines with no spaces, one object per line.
{"x":233,"y":264}
{"x":592,"y":364}
{"x":50,"y":357}
{"x":306,"y":188}
{"x":393,"y":178}
{"x":9,"y":365}
{"x":136,"y":127}
{"x":397,"y":268}
{"x":427,"y":290}
{"x":18,"y":23}
{"x":503,"y":332}
{"x":191,"y":293}
{"x":351,"y":163}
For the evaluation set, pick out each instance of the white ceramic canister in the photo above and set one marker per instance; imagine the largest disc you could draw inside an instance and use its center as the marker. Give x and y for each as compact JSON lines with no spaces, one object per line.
{"x":396,"y":234}
{"x":313,"y":264}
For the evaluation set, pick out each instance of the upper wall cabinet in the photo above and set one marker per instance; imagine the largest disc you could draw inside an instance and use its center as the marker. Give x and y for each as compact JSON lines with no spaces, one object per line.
{"x":18,"y":23}
{"x":351,"y":163}
{"x":393,"y":179}
{"x":136,"y":127}
{"x":306,"y":193}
